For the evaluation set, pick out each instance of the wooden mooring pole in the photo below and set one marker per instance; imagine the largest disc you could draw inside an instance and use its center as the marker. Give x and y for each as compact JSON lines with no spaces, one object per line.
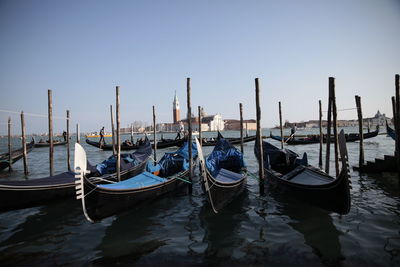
{"x":200,"y":134}
{"x":335,"y":130}
{"x":132,"y":134}
{"x":9,"y":145}
{"x":154,"y":135}
{"x":189,"y":118}
{"x":112,"y":130}
{"x":321,"y":135}
{"x":328,"y":134}
{"x":68,"y":145}
{"x":78,"y":134}
{"x":50,"y":118}
{"x":397,"y":122}
{"x":241,"y":127}
{"x":24,"y":143}
{"x":360,"y":131}
{"x":259,"y":139}
{"x":118,"y":135}
{"x":280,"y":123}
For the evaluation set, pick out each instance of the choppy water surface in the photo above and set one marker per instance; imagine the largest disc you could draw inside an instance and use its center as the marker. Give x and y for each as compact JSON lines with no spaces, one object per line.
{"x":182,"y":230}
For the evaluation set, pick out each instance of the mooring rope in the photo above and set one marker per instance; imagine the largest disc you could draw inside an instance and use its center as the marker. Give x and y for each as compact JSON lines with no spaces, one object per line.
{"x":252,"y":175}
{"x":32,"y":114}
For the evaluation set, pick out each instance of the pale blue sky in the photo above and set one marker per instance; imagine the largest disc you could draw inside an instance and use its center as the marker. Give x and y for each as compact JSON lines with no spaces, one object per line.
{"x":83,"y":49}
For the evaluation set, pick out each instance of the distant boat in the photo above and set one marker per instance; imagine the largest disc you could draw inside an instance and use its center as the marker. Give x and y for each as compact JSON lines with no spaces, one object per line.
{"x":15,"y":155}
{"x":127,"y":145}
{"x":232,"y":141}
{"x":315,"y":138}
{"x":390,"y":131}
{"x":91,"y":135}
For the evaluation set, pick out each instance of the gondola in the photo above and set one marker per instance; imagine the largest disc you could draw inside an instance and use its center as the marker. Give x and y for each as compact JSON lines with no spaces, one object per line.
{"x":223,"y":173}
{"x":163,"y":143}
{"x":35,"y":192}
{"x":232,"y":141}
{"x":390,"y":132}
{"x":55,"y":143}
{"x":313,"y":139}
{"x":106,"y":199}
{"x":15,"y":155}
{"x":286,"y":172}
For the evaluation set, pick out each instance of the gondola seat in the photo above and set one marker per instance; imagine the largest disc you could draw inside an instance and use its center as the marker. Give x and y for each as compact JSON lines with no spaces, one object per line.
{"x":227,"y":176}
{"x":142,"y":180}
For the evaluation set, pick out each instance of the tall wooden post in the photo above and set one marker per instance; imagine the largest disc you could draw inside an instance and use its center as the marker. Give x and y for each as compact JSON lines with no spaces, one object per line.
{"x":112,"y":130}
{"x":328,"y":134}
{"x":360,"y":131}
{"x":118,"y":136}
{"x":189,"y":118}
{"x":241,"y":127}
{"x":335,"y":131}
{"x":200,"y":119}
{"x":154,"y":136}
{"x":397,"y":122}
{"x":24,"y":143}
{"x":50,"y":118}
{"x":132,"y":133}
{"x":78,"y":134}
{"x":280,"y":123}
{"x":9,"y":145}
{"x":259,"y":139}
{"x":321,"y":135}
{"x":68,"y":147}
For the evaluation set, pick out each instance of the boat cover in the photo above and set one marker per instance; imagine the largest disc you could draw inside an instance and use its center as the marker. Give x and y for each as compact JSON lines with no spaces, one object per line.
{"x":174,"y":162}
{"x":224,"y":156}
{"x":141,"y":180}
{"x":127,"y":160}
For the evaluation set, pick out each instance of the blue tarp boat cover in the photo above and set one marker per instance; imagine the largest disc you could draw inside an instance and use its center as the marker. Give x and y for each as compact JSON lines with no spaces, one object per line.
{"x":141,"y":180}
{"x":224,"y":156}
{"x":274,"y":156}
{"x":127,"y":160}
{"x":174,"y":162}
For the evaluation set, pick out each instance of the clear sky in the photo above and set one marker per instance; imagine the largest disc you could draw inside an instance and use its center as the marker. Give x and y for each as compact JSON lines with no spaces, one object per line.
{"x":83,"y":49}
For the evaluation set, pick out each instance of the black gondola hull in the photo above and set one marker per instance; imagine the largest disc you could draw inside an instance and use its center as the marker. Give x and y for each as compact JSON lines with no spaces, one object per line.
{"x":15,"y":155}
{"x":224,"y":193}
{"x":48,"y":144}
{"x":232,"y":141}
{"x":333,"y":196}
{"x":125,"y":147}
{"x":19,"y":195}
{"x":102,"y":203}
{"x":353,"y":137}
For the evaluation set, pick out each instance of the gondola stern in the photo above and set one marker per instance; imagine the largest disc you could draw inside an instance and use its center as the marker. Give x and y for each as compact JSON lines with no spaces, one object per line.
{"x":80,"y":168}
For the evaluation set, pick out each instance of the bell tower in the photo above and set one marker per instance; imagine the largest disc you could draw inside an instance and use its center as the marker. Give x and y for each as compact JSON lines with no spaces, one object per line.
{"x":176,"y":110}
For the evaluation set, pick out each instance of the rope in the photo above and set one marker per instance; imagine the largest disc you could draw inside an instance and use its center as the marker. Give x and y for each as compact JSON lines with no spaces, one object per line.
{"x":345,"y":109}
{"x":252,"y":175}
{"x":101,"y":179}
{"x":180,"y":178}
{"x":32,"y":114}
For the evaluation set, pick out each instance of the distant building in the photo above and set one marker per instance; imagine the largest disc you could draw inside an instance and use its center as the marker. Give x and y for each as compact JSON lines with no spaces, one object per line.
{"x":378,"y":119}
{"x":235,"y":125}
{"x":176,"y":110}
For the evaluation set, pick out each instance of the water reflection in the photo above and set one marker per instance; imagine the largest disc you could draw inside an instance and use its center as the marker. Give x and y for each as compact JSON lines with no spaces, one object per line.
{"x":45,"y":228}
{"x":222,"y":230}
{"x":317,"y":228}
